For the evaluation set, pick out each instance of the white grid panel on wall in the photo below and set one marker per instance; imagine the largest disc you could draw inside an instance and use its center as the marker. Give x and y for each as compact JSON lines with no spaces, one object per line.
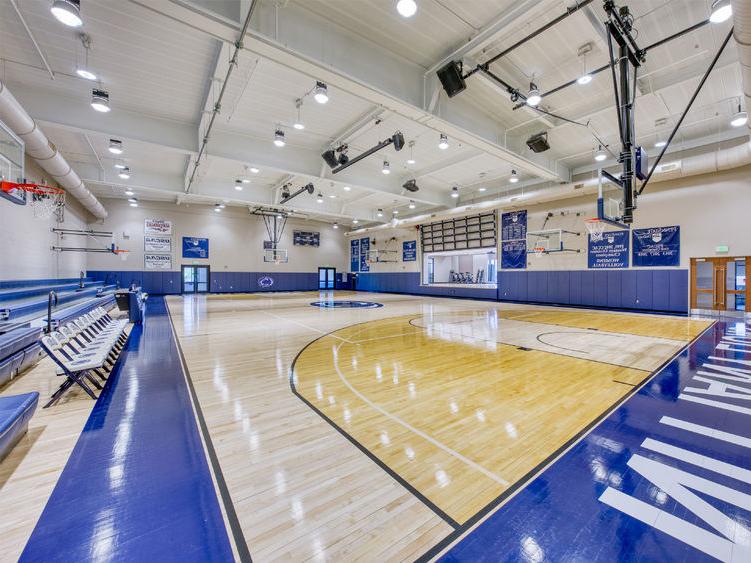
{"x":475,"y":231}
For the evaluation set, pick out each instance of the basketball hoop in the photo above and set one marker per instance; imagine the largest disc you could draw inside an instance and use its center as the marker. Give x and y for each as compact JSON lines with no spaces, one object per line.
{"x":539,"y":251}
{"x":45,"y":201}
{"x":595,"y":228}
{"x":123,"y":254}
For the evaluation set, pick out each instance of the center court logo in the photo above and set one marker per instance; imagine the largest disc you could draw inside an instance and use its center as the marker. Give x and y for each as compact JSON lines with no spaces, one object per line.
{"x":265,"y":281}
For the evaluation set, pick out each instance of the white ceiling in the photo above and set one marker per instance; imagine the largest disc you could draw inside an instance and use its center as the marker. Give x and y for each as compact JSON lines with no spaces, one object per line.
{"x":156,"y":66}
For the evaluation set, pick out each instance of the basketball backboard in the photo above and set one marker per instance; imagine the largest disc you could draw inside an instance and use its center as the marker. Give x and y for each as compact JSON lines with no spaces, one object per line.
{"x":11,"y":163}
{"x":610,"y":200}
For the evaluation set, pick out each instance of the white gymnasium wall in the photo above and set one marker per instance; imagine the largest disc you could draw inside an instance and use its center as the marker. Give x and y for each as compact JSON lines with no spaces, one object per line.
{"x":235,"y":239}
{"x":711,"y":209}
{"x":27,"y":241}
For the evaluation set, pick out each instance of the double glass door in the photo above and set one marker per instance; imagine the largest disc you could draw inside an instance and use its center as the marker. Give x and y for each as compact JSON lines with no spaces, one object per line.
{"x":718,"y":285}
{"x":195,"y":279}
{"x":326,"y":278}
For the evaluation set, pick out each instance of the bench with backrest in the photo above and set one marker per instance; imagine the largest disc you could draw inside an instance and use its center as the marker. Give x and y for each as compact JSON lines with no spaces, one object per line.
{"x":85,"y":351}
{"x":15,"y":413}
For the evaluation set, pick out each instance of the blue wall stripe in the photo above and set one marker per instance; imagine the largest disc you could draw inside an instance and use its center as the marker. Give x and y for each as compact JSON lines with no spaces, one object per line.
{"x":137,"y":482}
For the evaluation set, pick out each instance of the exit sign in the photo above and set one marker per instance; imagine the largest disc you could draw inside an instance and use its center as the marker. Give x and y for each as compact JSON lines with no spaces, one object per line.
{"x":722,"y":248}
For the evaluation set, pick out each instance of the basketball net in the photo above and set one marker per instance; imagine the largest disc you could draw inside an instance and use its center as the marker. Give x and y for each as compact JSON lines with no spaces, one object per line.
{"x":539,"y":251}
{"x":595,"y":228}
{"x":44,"y":201}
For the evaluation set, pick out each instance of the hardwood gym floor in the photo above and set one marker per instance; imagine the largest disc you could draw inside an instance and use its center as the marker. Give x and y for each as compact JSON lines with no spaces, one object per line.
{"x":456,"y":400}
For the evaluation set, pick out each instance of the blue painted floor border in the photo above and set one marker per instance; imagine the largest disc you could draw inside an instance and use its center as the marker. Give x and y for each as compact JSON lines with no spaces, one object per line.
{"x":137,"y":485}
{"x":665,"y":477}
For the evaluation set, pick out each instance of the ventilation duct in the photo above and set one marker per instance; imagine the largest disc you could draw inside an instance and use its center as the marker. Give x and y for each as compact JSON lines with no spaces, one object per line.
{"x":45,"y":153}
{"x":742,"y":34}
{"x":705,"y":163}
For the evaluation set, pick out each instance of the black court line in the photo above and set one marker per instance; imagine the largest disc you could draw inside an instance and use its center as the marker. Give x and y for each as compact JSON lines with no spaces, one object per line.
{"x":398,"y":478}
{"x":234,"y":522}
{"x":524,"y":481}
{"x":625,"y":383}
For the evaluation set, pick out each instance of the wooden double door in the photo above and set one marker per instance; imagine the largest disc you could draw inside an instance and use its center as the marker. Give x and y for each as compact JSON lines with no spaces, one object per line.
{"x":718,"y":284}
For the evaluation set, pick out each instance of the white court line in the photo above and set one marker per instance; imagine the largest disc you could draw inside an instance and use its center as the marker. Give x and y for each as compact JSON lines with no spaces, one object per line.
{"x":411,"y":428}
{"x":319,"y":331}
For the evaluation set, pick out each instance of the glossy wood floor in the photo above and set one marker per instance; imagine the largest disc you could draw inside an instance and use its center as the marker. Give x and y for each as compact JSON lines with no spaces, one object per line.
{"x":460,"y":399}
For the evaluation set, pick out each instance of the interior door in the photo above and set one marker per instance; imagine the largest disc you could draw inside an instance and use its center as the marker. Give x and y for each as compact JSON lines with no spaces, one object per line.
{"x":326,"y":278}
{"x":188,"y":279}
{"x":195,"y":279}
{"x":202,"y":279}
{"x":718,"y":285}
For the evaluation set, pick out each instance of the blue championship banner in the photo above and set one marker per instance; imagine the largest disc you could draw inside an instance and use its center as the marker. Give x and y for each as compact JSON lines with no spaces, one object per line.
{"x":194,"y":247}
{"x":514,"y":225}
{"x":659,"y":246}
{"x":514,"y":254}
{"x":409,"y":251}
{"x":354,"y":255}
{"x":364,"y":249}
{"x":610,"y":252}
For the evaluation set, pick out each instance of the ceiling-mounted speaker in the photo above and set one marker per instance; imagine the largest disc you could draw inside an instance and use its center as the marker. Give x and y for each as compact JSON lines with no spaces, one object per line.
{"x":451,"y":78}
{"x":410,"y":185}
{"x":310,"y":188}
{"x":398,"y":140}
{"x":330,"y":157}
{"x":538,"y":143}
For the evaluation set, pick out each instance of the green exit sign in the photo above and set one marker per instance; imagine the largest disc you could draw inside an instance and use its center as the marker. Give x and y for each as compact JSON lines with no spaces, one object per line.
{"x":722,"y":248}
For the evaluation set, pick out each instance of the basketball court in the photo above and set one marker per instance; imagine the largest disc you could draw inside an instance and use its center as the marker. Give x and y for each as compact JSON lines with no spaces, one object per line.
{"x":408,"y":280}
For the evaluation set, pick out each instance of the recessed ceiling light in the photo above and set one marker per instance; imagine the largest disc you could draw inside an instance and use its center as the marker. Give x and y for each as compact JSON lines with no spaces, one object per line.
{"x":67,"y":12}
{"x":533,"y":96}
{"x":395,"y":212}
{"x":124,"y":173}
{"x":332,"y":196}
{"x":85,"y":73}
{"x":355,"y":221}
{"x":336,"y":225}
{"x":129,"y":192}
{"x":321,"y":93}
{"x":660,"y":144}
{"x":379,"y":213}
{"x":239,"y":185}
{"x":279,"y":138}
{"x":217,"y":210}
{"x":406,"y":8}
{"x":119,"y":165}
{"x":443,"y":142}
{"x":100,"y":100}
{"x":132,"y":200}
{"x":116,"y":147}
{"x":721,"y":11}
{"x":319,"y":199}
{"x":514,"y":177}
{"x":482,"y":189}
{"x":133,"y":204}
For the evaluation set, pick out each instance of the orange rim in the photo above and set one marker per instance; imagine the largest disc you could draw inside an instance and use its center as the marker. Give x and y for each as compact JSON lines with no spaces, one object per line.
{"x":38,"y":189}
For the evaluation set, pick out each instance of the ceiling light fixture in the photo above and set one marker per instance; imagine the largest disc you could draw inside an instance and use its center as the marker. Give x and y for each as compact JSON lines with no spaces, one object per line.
{"x":119,"y":165}
{"x":454,"y":192}
{"x":395,"y":212}
{"x":83,"y":70}
{"x":533,"y":96}
{"x":279,"y":138}
{"x":406,"y":8}
{"x":514,"y":177}
{"x":100,"y":100}
{"x":254,"y":170}
{"x":319,"y":199}
{"x":239,"y":185}
{"x":584,"y":79}
{"x":379,"y":213}
{"x":660,"y":144}
{"x":600,"y":154}
{"x":721,"y":11}
{"x":740,"y":118}
{"x":355,"y":221}
{"x":321,"y":93}
{"x":386,"y":167}
{"x":298,"y":124}
{"x":133,"y":204}
{"x":483,"y":188}
{"x":67,"y":12}
{"x":132,"y":200}
{"x":411,"y":204}
{"x":124,"y":173}
{"x":443,"y":142}
{"x":346,"y":188}
{"x":116,"y":147}
{"x":411,"y":159}
{"x":217,"y":209}
{"x":129,"y":192}
{"x":336,"y":225}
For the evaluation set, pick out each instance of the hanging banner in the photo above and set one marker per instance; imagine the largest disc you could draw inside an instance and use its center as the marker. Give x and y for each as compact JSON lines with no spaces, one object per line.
{"x":157,"y":227}
{"x":610,"y":252}
{"x":514,"y":254}
{"x":354,"y":255}
{"x":153,"y":243}
{"x":157,"y":261}
{"x":409,"y":251}
{"x":194,"y":247}
{"x":514,"y":225}
{"x":364,"y":249}
{"x":306,"y":238}
{"x":659,"y":246}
